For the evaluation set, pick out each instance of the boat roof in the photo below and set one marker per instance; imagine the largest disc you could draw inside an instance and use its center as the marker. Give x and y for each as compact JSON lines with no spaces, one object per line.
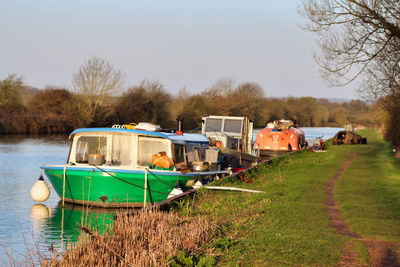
{"x":175,"y":138}
{"x":188,"y":137}
{"x":224,"y":117}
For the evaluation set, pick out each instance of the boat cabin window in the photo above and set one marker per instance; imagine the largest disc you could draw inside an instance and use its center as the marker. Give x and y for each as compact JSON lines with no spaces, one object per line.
{"x":194,"y":152}
{"x":233,"y":126}
{"x":213,"y":125}
{"x":121,"y":153}
{"x":90,"y":145}
{"x":179,"y":153}
{"x":233,"y":143}
{"x":148,"y":146}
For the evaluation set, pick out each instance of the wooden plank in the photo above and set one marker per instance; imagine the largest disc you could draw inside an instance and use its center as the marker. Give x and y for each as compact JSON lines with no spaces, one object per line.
{"x":169,"y":200}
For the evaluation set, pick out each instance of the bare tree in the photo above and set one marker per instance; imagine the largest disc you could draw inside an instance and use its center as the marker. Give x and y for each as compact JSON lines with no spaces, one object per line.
{"x":357,"y":37}
{"x":96,"y":81}
{"x":223,"y":86}
{"x":361,"y":39}
{"x":217,"y":97}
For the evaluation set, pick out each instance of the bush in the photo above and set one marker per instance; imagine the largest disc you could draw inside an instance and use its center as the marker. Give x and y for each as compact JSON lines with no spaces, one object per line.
{"x":34,"y":123}
{"x":54,"y":101}
{"x":10,"y":94}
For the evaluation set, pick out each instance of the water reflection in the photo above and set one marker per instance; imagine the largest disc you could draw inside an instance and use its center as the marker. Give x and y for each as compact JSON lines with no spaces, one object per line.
{"x":39,"y":213}
{"x":63,"y":224}
{"x":55,"y":227}
{"x":21,"y":157}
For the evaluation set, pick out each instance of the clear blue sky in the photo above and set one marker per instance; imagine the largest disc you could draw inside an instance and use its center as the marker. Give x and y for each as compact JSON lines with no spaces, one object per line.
{"x":180,"y":43}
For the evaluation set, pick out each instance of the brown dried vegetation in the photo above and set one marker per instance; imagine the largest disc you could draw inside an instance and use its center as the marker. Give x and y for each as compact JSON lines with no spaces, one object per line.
{"x":56,"y":110}
{"x":149,"y":238}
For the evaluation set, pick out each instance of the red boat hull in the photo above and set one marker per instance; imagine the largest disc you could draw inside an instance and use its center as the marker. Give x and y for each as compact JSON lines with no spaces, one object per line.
{"x":272,"y":139}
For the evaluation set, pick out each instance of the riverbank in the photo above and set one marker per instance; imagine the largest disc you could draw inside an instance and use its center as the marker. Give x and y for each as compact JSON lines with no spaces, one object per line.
{"x":291,"y":224}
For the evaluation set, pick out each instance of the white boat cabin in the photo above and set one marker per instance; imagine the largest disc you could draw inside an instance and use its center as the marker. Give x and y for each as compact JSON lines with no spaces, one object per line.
{"x":235,"y":133}
{"x":132,"y":149}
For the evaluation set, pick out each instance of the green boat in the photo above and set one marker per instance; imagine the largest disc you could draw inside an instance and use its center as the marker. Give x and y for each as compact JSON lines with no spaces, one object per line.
{"x":114,"y":167}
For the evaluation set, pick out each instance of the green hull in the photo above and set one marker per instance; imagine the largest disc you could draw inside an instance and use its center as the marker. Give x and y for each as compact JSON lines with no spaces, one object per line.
{"x":118,"y":188}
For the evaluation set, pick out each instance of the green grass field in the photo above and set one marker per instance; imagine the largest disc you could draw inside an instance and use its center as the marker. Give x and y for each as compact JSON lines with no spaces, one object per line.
{"x":369,"y":192}
{"x":289,"y":225}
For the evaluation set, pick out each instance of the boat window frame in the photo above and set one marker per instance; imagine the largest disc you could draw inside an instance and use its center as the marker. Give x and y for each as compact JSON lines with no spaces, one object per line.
{"x":110,"y":149}
{"x":109,"y":146}
{"x":190,"y":147}
{"x":233,"y":133}
{"x":185,"y":151}
{"x":209,"y":129}
{"x":138,"y":136}
{"x":223,"y":119}
{"x":72,"y":155}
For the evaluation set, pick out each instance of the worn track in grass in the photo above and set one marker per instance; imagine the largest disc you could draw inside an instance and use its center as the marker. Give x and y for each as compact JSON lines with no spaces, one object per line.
{"x":382,"y":253}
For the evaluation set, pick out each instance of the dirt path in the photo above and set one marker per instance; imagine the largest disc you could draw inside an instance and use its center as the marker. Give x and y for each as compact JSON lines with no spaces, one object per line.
{"x":382,"y":253}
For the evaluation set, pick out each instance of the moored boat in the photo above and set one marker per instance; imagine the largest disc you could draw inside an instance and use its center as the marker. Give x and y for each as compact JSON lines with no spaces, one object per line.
{"x":280,"y":136}
{"x":235,"y":137}
{"x":119,"y":167}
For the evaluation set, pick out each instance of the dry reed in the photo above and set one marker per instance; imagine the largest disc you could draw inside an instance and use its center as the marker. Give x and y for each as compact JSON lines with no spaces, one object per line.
{"x":148,"y":238}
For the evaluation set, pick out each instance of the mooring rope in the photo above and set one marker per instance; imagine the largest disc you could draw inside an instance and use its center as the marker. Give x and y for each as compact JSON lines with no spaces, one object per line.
{"x":122,"y":180}
{"x":159,"y":179}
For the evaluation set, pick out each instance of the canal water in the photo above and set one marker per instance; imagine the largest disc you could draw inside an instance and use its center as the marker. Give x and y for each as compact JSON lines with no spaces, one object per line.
{"x":323,"y":132}
{"x":27,"y":225}
{"x":24,"y":224}
{"x":313,"y":132}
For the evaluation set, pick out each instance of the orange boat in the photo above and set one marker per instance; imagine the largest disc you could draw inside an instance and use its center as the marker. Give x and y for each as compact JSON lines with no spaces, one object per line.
{"x":280,"y":136}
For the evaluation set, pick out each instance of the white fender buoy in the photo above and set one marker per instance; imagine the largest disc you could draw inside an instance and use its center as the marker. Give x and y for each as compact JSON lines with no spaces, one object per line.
{"x":40,"y":191}
{"x":176,"y":191}
{"x":198,"y":184}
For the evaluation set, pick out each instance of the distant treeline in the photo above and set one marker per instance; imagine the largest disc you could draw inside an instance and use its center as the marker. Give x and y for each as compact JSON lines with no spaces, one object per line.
{"x":57,"y":110}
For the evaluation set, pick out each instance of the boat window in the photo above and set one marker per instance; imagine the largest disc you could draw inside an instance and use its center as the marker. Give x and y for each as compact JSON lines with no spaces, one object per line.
{"x":213,"y":125}
{"x":179,"y":153}
{"x":148,"y":146}
{"x":89,"y":145}
{"x":121,"y":154}
{"x":233,"y":143}
{"x":197,"y":153}
{"x":194,"y":152}
{"x":233,"y":126}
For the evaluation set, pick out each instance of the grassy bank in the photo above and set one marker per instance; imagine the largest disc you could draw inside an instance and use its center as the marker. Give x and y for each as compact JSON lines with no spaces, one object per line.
{"x":288,"y":225}
{"x":369,"y":191}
